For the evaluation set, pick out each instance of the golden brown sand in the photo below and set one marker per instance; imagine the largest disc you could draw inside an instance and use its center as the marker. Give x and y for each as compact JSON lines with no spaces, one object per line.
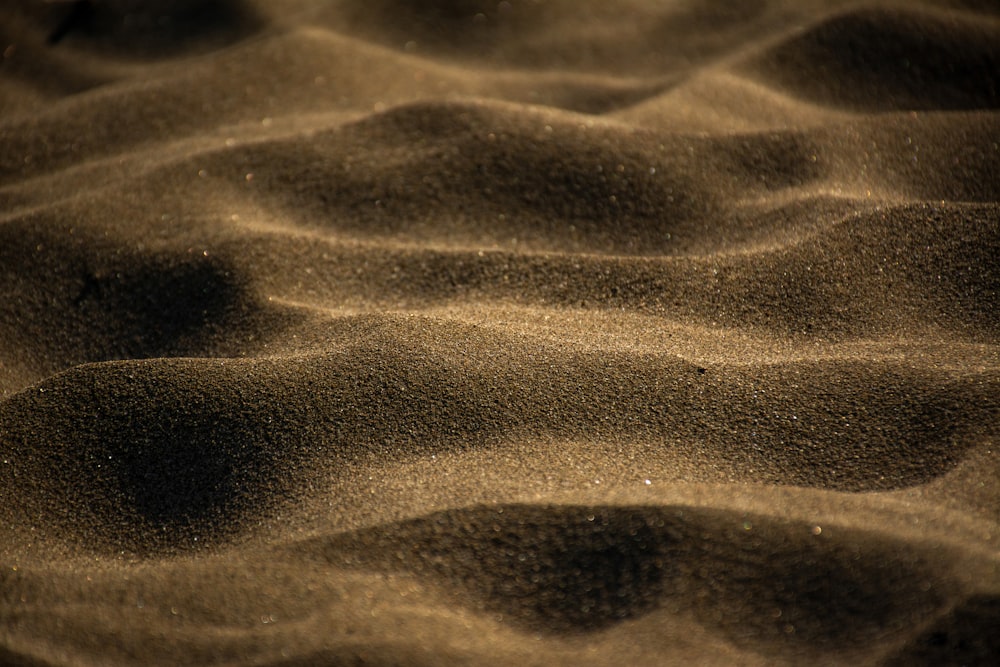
{"x":470,"y":332}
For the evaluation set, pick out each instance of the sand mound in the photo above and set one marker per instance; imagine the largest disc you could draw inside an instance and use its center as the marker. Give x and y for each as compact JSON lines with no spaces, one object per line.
{"x":891,"y":59}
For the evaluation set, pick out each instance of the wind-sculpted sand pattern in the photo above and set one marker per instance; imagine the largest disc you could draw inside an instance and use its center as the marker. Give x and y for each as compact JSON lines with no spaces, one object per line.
{"x":519,"y":333}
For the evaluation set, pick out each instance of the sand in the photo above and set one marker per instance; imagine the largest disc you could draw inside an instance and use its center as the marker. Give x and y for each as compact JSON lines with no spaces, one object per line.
{"x":388,"y":332}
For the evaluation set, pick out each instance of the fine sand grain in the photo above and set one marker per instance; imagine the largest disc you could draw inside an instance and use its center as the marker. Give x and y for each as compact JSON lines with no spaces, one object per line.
{"x":394,"y":332}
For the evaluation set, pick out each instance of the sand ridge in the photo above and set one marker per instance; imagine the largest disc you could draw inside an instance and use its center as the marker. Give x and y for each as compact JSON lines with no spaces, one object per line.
{"x":515,"y":332}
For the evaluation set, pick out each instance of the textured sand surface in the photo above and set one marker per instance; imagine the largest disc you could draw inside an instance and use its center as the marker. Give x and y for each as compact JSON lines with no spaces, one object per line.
{"x":553,"y":332}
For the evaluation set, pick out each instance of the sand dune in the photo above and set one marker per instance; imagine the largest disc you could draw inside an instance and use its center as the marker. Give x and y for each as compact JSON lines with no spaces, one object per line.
{"x":499,"y":333}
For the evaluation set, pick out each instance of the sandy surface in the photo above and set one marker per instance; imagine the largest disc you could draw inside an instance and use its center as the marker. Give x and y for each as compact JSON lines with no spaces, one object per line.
{"x":390,"y":332}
